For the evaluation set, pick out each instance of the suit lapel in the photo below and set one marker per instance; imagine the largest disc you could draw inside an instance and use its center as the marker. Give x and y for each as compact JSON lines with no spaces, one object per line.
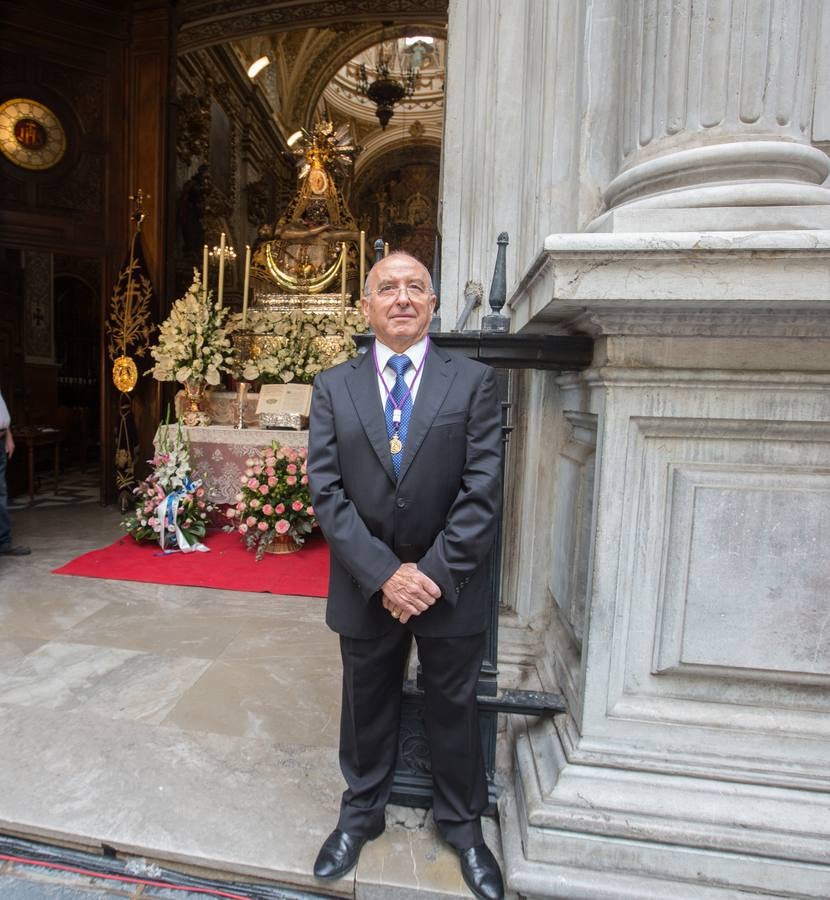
{"x":362,"y":384}
{"x":437,"y":376}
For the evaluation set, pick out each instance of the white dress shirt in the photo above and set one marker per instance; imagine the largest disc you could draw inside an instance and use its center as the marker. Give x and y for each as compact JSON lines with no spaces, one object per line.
{"x":5,"y":419}
{"x":415,"y":353}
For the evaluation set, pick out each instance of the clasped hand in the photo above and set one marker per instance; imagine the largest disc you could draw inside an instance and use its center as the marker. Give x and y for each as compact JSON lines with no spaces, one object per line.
{"x":409,"y":592}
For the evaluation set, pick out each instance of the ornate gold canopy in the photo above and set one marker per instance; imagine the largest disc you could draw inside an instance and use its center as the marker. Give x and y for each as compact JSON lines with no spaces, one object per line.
{"x":310,"y":244}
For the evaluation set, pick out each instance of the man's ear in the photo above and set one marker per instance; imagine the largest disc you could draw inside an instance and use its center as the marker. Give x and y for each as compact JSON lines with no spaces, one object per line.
{"x":364,"y":305}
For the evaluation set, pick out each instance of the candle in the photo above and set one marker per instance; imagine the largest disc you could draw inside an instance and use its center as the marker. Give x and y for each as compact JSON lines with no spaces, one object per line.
{"x":204,"y":272}
{"x":343,"y":283}
{"x":245,"y":283}
{"x":221,"y":267}
{"x":386,"y":249}
{"x":362,"y":262}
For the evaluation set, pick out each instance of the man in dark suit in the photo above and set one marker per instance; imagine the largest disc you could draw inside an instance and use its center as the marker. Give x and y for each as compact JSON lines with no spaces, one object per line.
{"x":405,"y":474}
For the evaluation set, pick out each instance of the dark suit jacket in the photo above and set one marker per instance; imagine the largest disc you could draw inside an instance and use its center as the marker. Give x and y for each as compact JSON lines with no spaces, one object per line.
{"x":440,"y":513}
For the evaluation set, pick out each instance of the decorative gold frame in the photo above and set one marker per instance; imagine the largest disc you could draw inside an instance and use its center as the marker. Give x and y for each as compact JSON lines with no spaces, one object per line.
{"x":301,"y":285}
{"x":53,"y":149}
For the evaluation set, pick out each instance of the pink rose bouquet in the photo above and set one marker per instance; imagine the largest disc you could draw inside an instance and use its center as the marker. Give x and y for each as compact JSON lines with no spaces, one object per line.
{"x":273,"y":498}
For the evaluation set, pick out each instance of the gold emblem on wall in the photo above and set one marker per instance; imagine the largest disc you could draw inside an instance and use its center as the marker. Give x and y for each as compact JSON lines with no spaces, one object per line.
{"x":31,"y":135}
{"x":124,"y":374}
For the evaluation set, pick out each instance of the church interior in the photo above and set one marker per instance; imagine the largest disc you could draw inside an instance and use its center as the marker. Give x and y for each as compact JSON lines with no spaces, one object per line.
{"x":625,"y":210}
{"x":153,"y":97}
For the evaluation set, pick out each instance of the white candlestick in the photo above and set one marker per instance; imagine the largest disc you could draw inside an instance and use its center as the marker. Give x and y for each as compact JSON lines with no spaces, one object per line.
{"x":362,"y":262}
{"x":205,"y":272}
{"x":245,"y":284}
{"x":221,"y":268}
{"x":343,"y":258}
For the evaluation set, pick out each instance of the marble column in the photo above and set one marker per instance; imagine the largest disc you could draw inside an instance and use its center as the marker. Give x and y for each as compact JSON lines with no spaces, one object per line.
{"x":668,"y":499}
{"x":520,"y":100}
{"x":672,"y":500}
{"x":715,"y":117}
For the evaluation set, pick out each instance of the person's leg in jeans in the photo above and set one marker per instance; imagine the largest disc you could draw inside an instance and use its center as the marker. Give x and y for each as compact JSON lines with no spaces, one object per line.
{"x":5,"y":525}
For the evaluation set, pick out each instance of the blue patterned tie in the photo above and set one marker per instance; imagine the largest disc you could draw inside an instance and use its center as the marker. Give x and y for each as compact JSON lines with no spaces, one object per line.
{"x":398,"y":364}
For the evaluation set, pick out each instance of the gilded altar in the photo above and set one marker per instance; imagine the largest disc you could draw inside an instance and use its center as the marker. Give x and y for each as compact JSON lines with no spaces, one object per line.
{"x":297,"y":324}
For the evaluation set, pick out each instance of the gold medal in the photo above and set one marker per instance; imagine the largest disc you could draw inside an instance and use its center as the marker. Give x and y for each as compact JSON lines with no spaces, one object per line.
{"x":395,"y":444}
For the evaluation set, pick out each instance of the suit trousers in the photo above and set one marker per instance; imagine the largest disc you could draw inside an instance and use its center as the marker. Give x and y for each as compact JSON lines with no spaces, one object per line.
{"x":373,"y":672}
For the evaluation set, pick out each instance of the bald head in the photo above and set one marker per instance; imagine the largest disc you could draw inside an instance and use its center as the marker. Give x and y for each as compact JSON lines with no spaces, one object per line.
{"x":398,"y":300}
{"x":366,"y":285}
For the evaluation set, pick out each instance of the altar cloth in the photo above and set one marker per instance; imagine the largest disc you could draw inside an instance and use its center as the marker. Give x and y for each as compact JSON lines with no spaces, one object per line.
{"x":218,"y":454}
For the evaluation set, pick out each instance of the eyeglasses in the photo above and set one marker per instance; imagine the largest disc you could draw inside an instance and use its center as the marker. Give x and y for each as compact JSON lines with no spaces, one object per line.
{"x":413,"y":290}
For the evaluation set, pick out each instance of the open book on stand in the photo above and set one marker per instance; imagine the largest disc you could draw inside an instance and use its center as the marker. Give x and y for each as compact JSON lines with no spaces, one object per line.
{"x":284,"y":405}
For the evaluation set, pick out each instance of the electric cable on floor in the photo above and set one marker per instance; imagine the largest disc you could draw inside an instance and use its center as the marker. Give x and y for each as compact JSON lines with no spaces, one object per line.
{"x":74,"y":870}
{"x":110,"y":867}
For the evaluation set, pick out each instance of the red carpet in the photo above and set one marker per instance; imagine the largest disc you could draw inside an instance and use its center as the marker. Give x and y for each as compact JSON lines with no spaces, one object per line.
{"x":228,"y":566}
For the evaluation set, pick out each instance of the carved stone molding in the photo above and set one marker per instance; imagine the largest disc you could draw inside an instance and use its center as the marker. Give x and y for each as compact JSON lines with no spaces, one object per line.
{"x":571,"y":522}
{"x":206,"y":23}
{"x":192,"y":127}
{"x":705,"y":283}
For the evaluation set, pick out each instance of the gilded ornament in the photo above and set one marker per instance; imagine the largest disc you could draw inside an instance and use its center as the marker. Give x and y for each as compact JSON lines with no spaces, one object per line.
{"x":130,"y":324}
{"x":124,"y":374}
{"x":31,"y":135}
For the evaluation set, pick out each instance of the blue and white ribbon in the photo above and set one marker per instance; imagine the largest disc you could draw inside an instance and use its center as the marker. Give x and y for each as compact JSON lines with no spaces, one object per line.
{"x":167,"y":512}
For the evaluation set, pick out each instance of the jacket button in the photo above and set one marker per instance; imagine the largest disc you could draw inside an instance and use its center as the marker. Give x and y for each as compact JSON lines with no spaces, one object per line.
{"x":401,"y":503}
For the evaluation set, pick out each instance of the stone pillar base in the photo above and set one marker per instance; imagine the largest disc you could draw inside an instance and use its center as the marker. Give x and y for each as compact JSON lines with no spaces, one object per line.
{"x":693,"y":761}
{"x":587,"y":832}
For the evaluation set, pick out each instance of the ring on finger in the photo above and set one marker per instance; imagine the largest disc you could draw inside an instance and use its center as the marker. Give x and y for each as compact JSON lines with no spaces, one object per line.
{"x":396,"y":613}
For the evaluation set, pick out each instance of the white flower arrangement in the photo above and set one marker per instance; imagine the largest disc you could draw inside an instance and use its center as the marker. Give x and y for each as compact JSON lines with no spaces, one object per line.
{"x":306,"y":343}
{"x":171,"y":475}
{"x":193,"y":341}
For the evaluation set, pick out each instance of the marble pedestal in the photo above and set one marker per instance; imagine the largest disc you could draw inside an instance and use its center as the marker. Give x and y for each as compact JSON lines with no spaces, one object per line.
{"x":685,"y":607}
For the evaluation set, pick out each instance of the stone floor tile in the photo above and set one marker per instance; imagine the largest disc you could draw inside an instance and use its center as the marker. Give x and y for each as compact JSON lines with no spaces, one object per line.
{"x":407,"y":864}
{"x":227,"y":805}
{"x":179,"y":630}
{"x":32,"y":613}
{"x":416,"y":864}
{"x":293,"y":699}
{"x":104,"y":681}
{"x":13,"y":649}
{"x":287,"y":637}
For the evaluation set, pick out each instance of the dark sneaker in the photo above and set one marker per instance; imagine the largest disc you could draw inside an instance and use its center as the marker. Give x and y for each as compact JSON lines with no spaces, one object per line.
{"x":14,"y":550}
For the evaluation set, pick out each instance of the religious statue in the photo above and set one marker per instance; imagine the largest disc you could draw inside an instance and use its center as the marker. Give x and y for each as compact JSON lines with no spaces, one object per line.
{"x":309,"y":244}
{"x":304,"y":271}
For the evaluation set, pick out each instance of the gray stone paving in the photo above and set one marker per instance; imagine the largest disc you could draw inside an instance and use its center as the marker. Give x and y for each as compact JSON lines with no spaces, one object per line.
{"x":196,"y":728}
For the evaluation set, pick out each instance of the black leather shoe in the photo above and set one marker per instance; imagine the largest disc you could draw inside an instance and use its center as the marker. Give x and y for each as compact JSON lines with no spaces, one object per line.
{"x":481,"y":872}
{"x":14,"y":550}
{"x":339,"y":853}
